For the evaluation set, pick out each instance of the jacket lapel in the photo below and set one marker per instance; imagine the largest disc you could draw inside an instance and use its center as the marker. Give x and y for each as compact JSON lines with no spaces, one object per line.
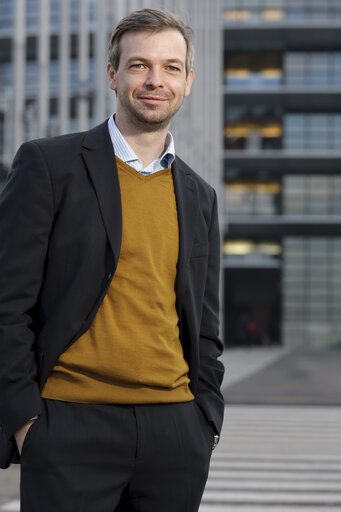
{"x":188,"y":208}
{"x":99,"y":157}
{"x":97,"y":152}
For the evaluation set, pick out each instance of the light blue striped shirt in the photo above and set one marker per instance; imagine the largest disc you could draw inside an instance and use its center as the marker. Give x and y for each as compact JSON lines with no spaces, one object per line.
{"x":124,"y":151}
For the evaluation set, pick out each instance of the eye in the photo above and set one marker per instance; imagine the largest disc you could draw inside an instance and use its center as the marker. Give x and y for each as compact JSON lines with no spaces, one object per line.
{"x":138,"y":65}
{"x":173,"y":68}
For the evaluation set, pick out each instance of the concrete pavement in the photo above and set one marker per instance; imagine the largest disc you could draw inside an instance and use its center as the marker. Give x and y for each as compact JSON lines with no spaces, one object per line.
{"x":276,"y":459}
{"x":9,"y":485}
{"x":244,"y":362}
{"x":298,"y":377}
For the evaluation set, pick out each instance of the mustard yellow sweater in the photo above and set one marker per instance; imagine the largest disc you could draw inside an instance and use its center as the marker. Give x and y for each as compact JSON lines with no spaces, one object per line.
{"x":132,"y":351}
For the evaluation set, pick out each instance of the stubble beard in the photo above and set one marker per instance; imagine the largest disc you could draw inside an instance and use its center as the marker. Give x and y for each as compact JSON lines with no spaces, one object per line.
{"x":148,"y":117}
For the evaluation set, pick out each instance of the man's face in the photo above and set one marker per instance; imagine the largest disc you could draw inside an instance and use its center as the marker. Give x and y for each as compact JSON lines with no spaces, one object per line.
{"x":151,"y":80}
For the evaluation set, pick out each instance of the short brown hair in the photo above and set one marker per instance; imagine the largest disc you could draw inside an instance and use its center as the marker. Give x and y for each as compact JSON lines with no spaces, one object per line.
{"x":153,"y":20}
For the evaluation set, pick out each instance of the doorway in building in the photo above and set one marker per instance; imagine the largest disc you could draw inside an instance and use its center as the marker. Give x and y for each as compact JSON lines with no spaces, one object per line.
{"x":252,"y":306}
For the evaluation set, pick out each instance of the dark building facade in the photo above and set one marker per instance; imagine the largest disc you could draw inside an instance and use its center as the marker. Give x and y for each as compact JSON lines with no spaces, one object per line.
{"x":282,"y":156}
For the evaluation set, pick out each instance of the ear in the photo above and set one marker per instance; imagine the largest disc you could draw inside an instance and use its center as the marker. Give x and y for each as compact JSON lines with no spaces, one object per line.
{"x":111,"y":77}
{"x":189,"y":81}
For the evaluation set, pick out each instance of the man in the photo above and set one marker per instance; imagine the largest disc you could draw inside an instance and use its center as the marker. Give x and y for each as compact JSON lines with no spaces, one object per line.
{"x":109,"y":266}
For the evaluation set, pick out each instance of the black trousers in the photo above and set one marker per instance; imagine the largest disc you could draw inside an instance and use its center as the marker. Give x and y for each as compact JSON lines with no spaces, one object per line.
{"x":122,"y":458}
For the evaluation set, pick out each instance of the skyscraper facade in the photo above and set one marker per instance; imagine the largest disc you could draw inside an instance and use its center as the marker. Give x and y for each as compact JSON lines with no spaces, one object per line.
{"x":282,"y":252}
{"x":53,"y":73}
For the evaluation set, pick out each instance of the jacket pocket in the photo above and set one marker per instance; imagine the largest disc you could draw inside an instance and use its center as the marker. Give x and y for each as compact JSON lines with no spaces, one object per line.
{"x":28,"y":437}
{"x":207,"y":427}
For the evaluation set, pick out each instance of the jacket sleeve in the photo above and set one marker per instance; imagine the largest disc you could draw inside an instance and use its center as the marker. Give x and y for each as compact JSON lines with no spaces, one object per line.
{"x":208,"y":396}
{"x":26,"y":215}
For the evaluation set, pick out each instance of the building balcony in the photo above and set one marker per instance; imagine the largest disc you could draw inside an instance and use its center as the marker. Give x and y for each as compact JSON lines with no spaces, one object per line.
{"x":282,"y":161}
{"x":321,"y":34}
{"x":294,"y":97}
{"x":282,"y":225}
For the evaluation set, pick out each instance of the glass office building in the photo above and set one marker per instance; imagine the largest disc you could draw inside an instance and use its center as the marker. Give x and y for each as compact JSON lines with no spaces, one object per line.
{"x":53,"y":74}
{"x":282,"y":156}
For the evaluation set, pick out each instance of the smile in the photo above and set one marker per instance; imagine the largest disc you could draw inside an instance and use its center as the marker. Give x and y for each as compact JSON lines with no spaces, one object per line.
{"x":152,"y":99}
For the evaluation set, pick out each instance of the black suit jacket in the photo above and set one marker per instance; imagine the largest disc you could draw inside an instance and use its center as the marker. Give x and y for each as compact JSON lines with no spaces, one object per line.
{"x":60,"y":237}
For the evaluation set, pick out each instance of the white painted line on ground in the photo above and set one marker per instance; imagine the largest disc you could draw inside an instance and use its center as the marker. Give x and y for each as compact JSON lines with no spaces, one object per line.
{"x":260,"y":508}
{"x":270,"y":476}
{"x":263,"y":485}
{"x":277,"y":466}
{"x":272,"y":498}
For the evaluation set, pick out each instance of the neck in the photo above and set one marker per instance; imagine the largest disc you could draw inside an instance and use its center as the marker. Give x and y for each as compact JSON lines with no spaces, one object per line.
{"x":147,"y":145}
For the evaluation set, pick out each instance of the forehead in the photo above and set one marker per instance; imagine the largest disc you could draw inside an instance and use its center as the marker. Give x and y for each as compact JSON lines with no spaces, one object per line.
{"x":165,"y":44}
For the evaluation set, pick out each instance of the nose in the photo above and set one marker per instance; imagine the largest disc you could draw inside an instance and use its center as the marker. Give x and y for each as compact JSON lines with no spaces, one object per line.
{"x":154,"y":78}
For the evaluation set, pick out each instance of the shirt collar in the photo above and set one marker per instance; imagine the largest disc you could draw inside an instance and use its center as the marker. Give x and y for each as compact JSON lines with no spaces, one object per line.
{"x":125,"y":152}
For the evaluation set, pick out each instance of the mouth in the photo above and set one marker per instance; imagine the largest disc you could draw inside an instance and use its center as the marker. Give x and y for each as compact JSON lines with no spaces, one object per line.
{"x":154,"y":100}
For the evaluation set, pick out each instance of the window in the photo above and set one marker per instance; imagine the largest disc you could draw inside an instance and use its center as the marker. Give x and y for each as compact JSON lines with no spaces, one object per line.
{"x":311,"y":302}
{"x":253,"y":128}
{"x":252,"y":198}
{"x":312,"y":194}
{"x":272,"y":11}
{"x":6,"y":14}
{"x":312,"y":131}
{"x":312,"y":68}
{"x":253,"y":69}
